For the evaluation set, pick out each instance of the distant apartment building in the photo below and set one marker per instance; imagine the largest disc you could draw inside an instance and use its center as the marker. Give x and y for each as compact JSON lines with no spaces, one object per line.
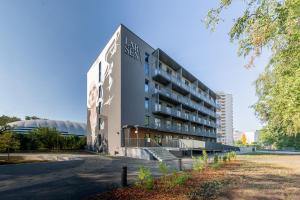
{"x":137,"y":94}
{"x":225,"y":118}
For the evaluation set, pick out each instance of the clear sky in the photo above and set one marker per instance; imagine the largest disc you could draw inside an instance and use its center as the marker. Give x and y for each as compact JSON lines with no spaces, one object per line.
{"x":46,"y":48}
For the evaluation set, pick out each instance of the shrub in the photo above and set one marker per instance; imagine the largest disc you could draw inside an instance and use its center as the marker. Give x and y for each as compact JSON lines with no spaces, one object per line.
{"x":205,"y":157}
{"x":228,"y":155}
{"x":198,"y":163}
{"x":163,"y":168}
{"x":216,"y":159}
{"x":182,"y":179}
{"x":224,"y":158}
{"x":216,"y":165}
{"x":145,"y":178}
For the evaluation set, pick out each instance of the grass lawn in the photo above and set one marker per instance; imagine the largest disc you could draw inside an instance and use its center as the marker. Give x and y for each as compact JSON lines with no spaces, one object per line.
{"x":18,"y":161}
{"x":250,"y":177}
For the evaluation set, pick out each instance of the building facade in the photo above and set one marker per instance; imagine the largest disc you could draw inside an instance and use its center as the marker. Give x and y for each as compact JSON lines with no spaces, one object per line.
{"x":225,"y":118}
{"x":137,"y":92}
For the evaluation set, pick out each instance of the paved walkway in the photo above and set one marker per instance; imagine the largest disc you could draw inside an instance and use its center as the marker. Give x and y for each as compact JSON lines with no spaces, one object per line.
{"x":73,"y":179}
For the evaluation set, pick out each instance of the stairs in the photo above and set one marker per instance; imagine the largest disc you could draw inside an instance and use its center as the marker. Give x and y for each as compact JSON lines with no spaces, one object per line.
{"x":160,"y":153}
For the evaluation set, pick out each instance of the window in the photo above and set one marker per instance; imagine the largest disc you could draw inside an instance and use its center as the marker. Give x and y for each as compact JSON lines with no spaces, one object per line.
{"x":169,"y":108}
{"x":158,"y":106}
{"x":146,"y":86}
{"x":169,"y":71}
{"x":99,"y":123}
{"x":100,"y":92}
{"x":186,"y":82}
{"x":146,"y":120}
{"x":168,"y":124}
{"x":146,"y":104}
{"x":146,"y":65}
{"x":178,"y":126}
{"x":157,"y":122}
{"x":194,"y":128}
{"x":100,"y":72}
{"x":99,"y":108}
{"x":186,"y":127}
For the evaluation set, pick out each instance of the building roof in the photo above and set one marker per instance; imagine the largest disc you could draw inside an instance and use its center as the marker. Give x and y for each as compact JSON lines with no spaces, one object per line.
{"x":65,"y":127}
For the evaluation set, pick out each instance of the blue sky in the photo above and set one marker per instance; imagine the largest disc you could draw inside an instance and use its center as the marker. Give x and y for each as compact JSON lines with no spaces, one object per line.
{"x":46,"y":48}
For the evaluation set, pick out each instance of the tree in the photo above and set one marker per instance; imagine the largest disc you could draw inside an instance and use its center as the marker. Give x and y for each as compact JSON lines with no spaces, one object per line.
{"x":32,"y":117}
{"x":273,"y":25}
{"x":4,"y":120}
{"x":8,"y":142}
{"x":244,"y":139}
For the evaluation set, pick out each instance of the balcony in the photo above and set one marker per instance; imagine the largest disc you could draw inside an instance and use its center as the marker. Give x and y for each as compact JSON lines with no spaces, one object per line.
{"x":186,"y":102}
{"x":182,"y":130}
{"x":165,"y":78}
{"x":166,"y":111}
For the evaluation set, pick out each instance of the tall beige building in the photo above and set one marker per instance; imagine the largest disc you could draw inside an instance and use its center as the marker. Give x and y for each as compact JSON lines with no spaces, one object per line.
{"x":225,"y":118}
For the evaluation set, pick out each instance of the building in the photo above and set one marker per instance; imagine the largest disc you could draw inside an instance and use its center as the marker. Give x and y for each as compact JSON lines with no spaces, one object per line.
{"x":237,"y":135}
{"x":64,"y":127}
{"x":139,"y":96}
{"x":225,"y":118}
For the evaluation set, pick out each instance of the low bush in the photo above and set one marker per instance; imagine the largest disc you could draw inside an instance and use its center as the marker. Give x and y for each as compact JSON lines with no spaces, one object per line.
{"x":205,"y":157}
{"x":198,"y":163}
{"x":216,"y":165}
{"x":182,"y":178}
{"x":163,"y":168}
{"x":224,"y":158}
{"x":216,"y":158}
{"x":145,"y":178}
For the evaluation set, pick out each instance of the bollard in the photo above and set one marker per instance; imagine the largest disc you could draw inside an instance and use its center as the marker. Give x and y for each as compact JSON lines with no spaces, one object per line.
{"x":124,"y":176}
{"x":180,"y":164}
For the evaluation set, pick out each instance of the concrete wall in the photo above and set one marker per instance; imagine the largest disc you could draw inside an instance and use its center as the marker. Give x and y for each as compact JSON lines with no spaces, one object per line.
{"x":133,"y":77}
{"x":104,"y":98}
{"x":139,"y":153}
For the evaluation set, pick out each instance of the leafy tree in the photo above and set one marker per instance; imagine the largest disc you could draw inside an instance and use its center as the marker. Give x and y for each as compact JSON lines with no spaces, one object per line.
{"x":32,"y":117}
{"x":4,"y":120}
{"x":244,"y":139}
{"x":8,"y":141}
{"x":48,"y":137}
{"x":273,"y":25}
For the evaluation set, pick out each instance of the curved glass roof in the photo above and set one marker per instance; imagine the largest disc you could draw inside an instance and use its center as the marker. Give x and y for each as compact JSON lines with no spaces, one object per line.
{"x":65,"y":127}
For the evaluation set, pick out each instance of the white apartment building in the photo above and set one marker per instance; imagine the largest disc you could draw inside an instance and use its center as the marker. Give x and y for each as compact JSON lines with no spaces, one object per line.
{"x":225,"y":118}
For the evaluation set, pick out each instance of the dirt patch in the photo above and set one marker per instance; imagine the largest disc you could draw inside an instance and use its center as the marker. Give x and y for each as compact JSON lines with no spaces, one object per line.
{"x":263,"y":177}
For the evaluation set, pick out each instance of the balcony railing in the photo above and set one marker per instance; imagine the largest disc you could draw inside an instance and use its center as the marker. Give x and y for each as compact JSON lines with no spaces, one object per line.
{"x":181,"y":129}
{"x":188,"y":88}
{"x":177,"y":113}
{"x":184,"y":100}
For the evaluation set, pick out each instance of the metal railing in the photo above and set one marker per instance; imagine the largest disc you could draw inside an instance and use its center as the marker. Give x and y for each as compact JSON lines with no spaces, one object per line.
{"x":188,"y":88}
{"x":184,"y":100}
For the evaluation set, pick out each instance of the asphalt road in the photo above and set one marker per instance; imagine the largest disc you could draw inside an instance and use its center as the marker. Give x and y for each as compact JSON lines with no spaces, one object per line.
{"x":75,"y":179}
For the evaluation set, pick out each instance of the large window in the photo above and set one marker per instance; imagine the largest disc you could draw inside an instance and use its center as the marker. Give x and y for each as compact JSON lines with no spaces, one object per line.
{"x":100,"y":72}
{"x":146,"y":104}
{"x":99,"y":123}
{"x":157,"y":122}
{"x":147,"y":120}
{"x":168,"y":124}
{"x":146,"y":86}
{"x":146,"y":65}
